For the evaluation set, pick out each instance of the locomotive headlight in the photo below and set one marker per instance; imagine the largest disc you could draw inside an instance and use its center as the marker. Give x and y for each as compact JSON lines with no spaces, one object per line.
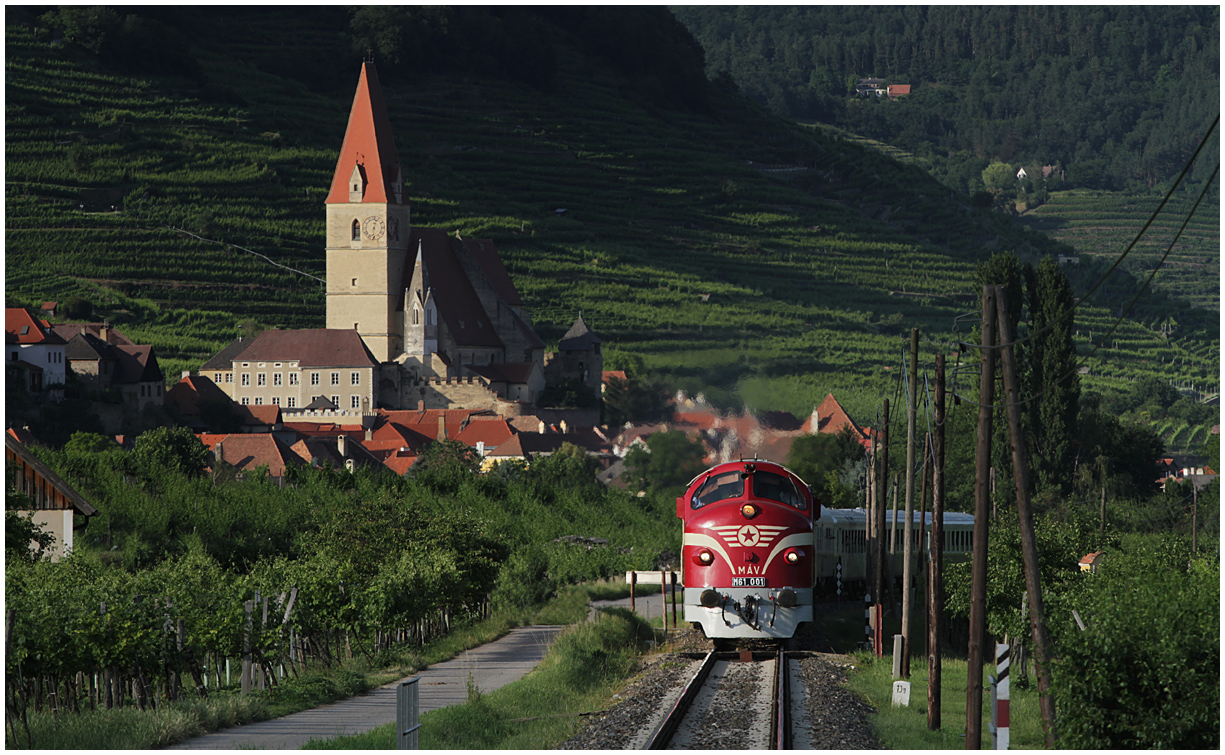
{"x":705,"y":557}
{"x":793,"y":556}
{"x":750,"y":510}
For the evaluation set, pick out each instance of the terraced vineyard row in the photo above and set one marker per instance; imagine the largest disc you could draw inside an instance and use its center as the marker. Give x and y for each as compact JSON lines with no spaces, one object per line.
{"x":1103,"y":224}
{"x":682,"y":240}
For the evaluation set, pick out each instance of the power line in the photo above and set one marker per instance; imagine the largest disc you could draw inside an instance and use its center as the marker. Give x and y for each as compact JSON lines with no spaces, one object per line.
{"x":1105,"y":276}
{"x":248,"y":251}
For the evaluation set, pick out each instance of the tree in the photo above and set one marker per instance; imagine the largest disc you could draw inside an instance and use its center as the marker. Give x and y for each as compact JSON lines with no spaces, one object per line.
{"x":77,"y":308}
{"x":1000,"y":176}
{"x":1144,"y":674}
{"x":24,"y":541}
{"x":173,"y":449}
{"x":667,"y":459}
{"x":89,"y":443}
{"x":820,"y":460}
{"x":1053,"y":381}
{"x":632,"y":401}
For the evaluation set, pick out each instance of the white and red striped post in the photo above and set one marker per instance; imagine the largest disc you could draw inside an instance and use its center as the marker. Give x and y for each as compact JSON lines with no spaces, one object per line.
{"x":1000,"y":699}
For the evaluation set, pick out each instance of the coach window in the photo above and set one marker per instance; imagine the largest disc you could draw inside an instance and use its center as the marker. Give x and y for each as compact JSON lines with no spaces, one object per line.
{"x":720,"y":488}
{"x":778,"y":488}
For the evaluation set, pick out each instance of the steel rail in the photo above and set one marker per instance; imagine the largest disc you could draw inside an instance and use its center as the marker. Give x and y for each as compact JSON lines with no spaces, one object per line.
{"x":780,"y":736}
{"x":663,"y":733}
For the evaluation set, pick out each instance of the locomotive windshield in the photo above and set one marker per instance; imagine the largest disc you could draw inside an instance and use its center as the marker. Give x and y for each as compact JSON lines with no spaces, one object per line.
{"x":719,"y":488}
{"x":778,"y":488}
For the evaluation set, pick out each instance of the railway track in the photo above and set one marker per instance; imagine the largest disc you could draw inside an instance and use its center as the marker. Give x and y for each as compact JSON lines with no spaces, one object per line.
{"x":734,"y":700}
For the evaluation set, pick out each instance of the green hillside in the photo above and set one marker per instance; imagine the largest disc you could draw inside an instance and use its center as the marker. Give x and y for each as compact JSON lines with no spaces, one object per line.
{"x":733,"y":251}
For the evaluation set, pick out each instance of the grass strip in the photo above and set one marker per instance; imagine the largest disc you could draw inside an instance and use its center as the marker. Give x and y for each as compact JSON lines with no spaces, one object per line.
{"x":583,"y":668}
{"x":905,"y":728}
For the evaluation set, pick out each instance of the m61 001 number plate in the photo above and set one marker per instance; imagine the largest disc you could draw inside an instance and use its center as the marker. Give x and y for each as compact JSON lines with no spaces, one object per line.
{"x":749,"y":582}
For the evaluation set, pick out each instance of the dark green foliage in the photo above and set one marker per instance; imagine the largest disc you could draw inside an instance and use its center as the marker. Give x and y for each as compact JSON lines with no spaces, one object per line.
{"x":1125,"y":453}
{"x":169,"y":449}
{"x":89,"y":443}
{"x":76,"y":308}
{"x":821,"y":460}
{"x":24,"y":541}
{"x":665,"y":460}
{"x":130,"y":43}
{"x":1053,"y":382}
{"x":568,"y":395}
{"x":568,"y":468}
{"x":1145,"y":673}
{"x":984,"y":81}
{"x":524,"y":580}
{"x":366,"y":552}
{"x":1062,"y":542}
{"x":633,"y":401}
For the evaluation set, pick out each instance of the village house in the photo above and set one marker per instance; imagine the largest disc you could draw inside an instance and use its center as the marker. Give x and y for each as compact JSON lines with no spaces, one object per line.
{"x":57,"y":507}
{"x":105,"y":359}
{"x":33,"y":354}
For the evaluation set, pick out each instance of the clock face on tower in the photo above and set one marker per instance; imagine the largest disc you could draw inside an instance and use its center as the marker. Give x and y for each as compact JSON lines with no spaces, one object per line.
{"x":373,"y":227}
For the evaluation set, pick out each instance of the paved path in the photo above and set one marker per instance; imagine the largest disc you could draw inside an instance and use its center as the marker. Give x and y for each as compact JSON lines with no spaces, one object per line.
{"x":647,"y":606}
{"x":493,"y":665}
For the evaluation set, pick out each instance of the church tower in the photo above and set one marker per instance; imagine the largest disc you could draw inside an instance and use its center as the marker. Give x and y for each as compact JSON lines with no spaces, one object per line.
{"x":368,"y":227}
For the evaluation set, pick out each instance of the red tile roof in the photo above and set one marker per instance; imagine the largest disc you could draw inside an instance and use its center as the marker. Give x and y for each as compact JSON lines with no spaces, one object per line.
{"x":187,"y":394}
{"x":492,"y":432}
{"x":22,"y":327}
{"x":831,"y":418}
{"x":22,"y":435}
{"x":320,"y":347}
{"x":400,"y":463}
{"x":609,"y":375}
{"x":324,"y":429}
{"x":264,"y":414}
{"x":247,"y":451}
{"x":368,"y":144}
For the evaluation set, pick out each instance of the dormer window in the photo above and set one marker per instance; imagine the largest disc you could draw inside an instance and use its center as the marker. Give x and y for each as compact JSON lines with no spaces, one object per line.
{"x":357,"y":184}
{"x":357,"y":230}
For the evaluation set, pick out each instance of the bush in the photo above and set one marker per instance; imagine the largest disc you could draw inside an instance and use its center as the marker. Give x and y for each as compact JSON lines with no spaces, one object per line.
{"x":1145,"y":672}
{"x":524,"y":580}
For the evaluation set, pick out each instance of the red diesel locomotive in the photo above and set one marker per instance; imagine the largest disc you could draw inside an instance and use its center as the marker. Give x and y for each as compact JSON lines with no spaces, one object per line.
{"x":748,"y":556}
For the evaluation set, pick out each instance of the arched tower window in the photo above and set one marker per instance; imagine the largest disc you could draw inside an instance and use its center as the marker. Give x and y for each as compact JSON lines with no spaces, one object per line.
{"x":357,"y":230}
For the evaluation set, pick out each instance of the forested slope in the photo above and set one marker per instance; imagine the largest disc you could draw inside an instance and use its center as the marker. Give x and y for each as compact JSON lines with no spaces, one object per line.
{"x":1119,"y":96}
{"x":730,"y":250}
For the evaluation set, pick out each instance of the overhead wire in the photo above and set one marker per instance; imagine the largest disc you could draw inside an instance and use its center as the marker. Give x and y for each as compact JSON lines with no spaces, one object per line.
{"x":1114,"y":326}
{"x":1118,"y":261}
{"x":1081,"y":361}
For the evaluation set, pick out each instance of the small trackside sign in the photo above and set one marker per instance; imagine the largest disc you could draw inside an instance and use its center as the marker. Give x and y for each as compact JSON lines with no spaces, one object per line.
{"x":901,"y":694}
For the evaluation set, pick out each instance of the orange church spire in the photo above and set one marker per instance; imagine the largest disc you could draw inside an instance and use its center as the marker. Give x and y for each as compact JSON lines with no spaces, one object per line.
{"x":368,"y":169}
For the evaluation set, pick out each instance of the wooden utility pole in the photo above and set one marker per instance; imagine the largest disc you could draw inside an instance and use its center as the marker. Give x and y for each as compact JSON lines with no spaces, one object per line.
{"x":935,"y":567}
{"x":869,"y":510}
{"x":907,"y":548}
{"x":882,"y":476}
{"x":1029,"y":545}
{"x":982,"y":505}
